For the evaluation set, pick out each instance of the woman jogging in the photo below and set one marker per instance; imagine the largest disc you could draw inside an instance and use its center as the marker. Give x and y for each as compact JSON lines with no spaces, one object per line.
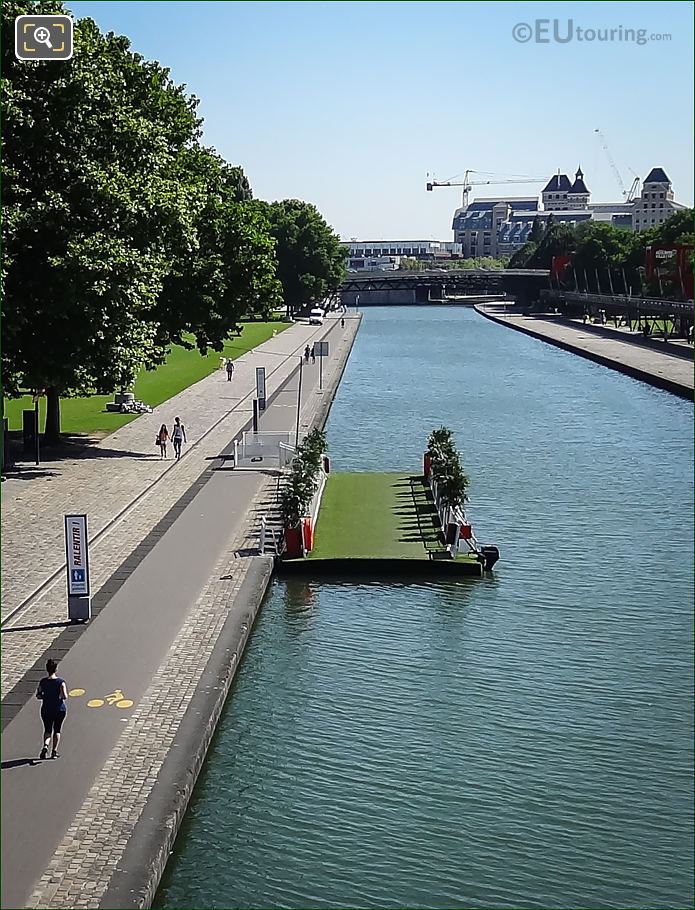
{"x":52,"y":693}
{"x":178,"y":435}
{"x":162,"y":439}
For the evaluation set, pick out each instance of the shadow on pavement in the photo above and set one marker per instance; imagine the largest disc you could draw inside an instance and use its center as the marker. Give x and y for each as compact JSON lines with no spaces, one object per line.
{"x":45,"y":625}
{"x":19,"y":762}
{"x":71,"y":446}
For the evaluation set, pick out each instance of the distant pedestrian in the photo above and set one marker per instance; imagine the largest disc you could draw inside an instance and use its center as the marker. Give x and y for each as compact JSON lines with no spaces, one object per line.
{"x":162,"y":440}
{"x":342,"y":323}
{"x":178,"y":435}
{"x":313,"y":353}
{"x":52,"y":693}
{"x":230,"y":370}
{"x":307,"y":352}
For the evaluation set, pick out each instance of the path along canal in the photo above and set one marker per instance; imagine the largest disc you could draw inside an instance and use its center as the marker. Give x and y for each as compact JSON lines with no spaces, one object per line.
{"x":524,"y":740}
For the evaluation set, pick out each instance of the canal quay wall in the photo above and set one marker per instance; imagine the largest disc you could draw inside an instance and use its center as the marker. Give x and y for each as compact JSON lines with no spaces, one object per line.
{"x":147,"y":852}
{"x":670,"y":370}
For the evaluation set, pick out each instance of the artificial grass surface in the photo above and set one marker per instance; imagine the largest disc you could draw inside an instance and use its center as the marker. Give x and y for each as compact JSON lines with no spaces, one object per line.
{"x":182,"y":369}
{"x":376,"y":516}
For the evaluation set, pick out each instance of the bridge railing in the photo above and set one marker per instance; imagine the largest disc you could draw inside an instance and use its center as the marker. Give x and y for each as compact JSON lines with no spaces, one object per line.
{"x":621,"y":301}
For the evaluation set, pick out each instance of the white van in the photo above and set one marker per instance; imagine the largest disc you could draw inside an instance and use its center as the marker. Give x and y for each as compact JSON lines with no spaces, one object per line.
{"x":316,"y":316}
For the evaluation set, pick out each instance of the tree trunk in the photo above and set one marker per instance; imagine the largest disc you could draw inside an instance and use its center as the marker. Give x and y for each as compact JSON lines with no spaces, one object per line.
{"x":52,"y":414}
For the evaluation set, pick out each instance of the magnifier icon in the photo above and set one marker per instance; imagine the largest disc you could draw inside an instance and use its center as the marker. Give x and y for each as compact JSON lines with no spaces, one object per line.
{"x":43,"y":36}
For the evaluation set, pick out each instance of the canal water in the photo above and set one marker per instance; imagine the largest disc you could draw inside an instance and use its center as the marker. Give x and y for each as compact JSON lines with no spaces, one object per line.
{"x":523,"y":740}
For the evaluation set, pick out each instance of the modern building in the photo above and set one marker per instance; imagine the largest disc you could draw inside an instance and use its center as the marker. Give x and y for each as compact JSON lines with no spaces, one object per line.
{"x":373,"y":263}
{"x":381,"y":254}
{"x":499,"y":226}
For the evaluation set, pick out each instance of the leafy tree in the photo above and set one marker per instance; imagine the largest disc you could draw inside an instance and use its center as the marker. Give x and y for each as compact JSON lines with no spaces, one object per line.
{"x":607,"y":258}
{"x":120,"y":233}
{"x":558,"y":240}
{"x":228,"y":271}
{"x":536,"y":234}
{"x":601,"y":250}
{"x":92,"y":210}
{"x":452,"y":481}
{"x":676,"y":229}
{"x":522,"y":257}
{"x":311,"y":258}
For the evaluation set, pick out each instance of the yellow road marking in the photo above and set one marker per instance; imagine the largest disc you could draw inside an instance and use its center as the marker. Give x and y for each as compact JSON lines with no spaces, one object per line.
{"x":124,"y":703}
{"x":74,"y":693}
{"x":95,"y":702}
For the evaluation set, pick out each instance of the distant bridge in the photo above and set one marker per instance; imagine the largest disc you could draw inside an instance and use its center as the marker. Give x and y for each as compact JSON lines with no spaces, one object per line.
{"x":405,"y":286}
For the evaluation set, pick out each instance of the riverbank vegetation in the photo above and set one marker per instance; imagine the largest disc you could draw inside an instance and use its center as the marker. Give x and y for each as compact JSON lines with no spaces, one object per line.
{"x":481,"y":262}
{"x":606,"y":259}
{"x":123,"y":235}
{"x":182,"y":368}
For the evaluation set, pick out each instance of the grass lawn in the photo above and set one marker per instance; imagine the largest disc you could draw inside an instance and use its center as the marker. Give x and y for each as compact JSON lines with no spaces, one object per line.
{"x":376,"y":516}
{"x":182,"y":369}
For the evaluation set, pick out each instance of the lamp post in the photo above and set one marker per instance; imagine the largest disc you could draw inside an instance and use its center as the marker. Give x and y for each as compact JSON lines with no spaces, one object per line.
{"x":299,"y":401}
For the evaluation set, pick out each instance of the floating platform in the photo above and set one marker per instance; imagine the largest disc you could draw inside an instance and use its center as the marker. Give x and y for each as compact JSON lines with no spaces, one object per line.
{"x":379,"y":524}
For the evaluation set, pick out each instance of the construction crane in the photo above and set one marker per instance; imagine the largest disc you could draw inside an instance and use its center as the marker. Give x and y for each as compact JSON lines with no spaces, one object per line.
{"x":468,"y":184}
{"x":630,"y":194}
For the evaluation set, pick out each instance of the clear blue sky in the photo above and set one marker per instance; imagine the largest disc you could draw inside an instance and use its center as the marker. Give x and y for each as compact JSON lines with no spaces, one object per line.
{"x":349,"y":104}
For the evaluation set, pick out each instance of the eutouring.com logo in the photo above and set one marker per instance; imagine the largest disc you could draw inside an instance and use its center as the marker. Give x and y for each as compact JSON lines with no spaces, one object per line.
{"x":565,"y":31}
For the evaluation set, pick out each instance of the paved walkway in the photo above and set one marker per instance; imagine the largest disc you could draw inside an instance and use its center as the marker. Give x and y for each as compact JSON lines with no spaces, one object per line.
{"x":126,"y":490}
{"x":664,"y":369}
{"x":138,"y":666}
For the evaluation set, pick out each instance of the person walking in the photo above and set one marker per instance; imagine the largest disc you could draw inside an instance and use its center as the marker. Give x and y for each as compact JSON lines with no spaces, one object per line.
{"x":230,"y":369}
{"x":52,"y":693}
{"x":178,"y":435}
{"x":342,"y":323}
{"x":313,"y":353}
{"x":162,"y":439}
{"x":307,"y":352}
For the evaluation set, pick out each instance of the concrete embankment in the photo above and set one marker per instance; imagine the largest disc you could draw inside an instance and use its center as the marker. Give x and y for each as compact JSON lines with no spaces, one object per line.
{"x":135,"y":882}
{"x":668,"y":370}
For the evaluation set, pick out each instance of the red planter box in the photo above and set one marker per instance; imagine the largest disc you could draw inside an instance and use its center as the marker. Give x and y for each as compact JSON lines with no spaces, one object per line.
{"x":308,"y":534}
{"x":293,"y":543}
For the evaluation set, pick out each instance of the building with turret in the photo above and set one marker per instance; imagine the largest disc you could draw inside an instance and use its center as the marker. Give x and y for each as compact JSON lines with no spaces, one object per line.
{"x":560,"y":195}
{"x":499,"y":226}
{"x":655,"y":203}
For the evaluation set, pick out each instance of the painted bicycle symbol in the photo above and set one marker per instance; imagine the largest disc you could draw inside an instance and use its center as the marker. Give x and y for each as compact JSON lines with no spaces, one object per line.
{"x":116,"y":699}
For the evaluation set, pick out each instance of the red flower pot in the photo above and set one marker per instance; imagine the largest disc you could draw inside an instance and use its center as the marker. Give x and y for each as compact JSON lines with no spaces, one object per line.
{"x":293,"y":543}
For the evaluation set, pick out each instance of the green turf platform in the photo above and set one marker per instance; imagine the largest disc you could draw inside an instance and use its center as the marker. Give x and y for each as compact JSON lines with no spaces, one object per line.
{"x":386,"y":522}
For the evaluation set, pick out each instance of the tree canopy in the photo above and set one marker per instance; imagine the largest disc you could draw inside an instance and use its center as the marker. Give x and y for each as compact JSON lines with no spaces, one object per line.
{"x":311,"y":258}
{"x":122,"y":234}
{"x":605,"y":258}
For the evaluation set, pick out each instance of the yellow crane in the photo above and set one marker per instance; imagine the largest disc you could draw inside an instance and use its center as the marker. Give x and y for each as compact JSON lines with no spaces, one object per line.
{"x":467,"y":184}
